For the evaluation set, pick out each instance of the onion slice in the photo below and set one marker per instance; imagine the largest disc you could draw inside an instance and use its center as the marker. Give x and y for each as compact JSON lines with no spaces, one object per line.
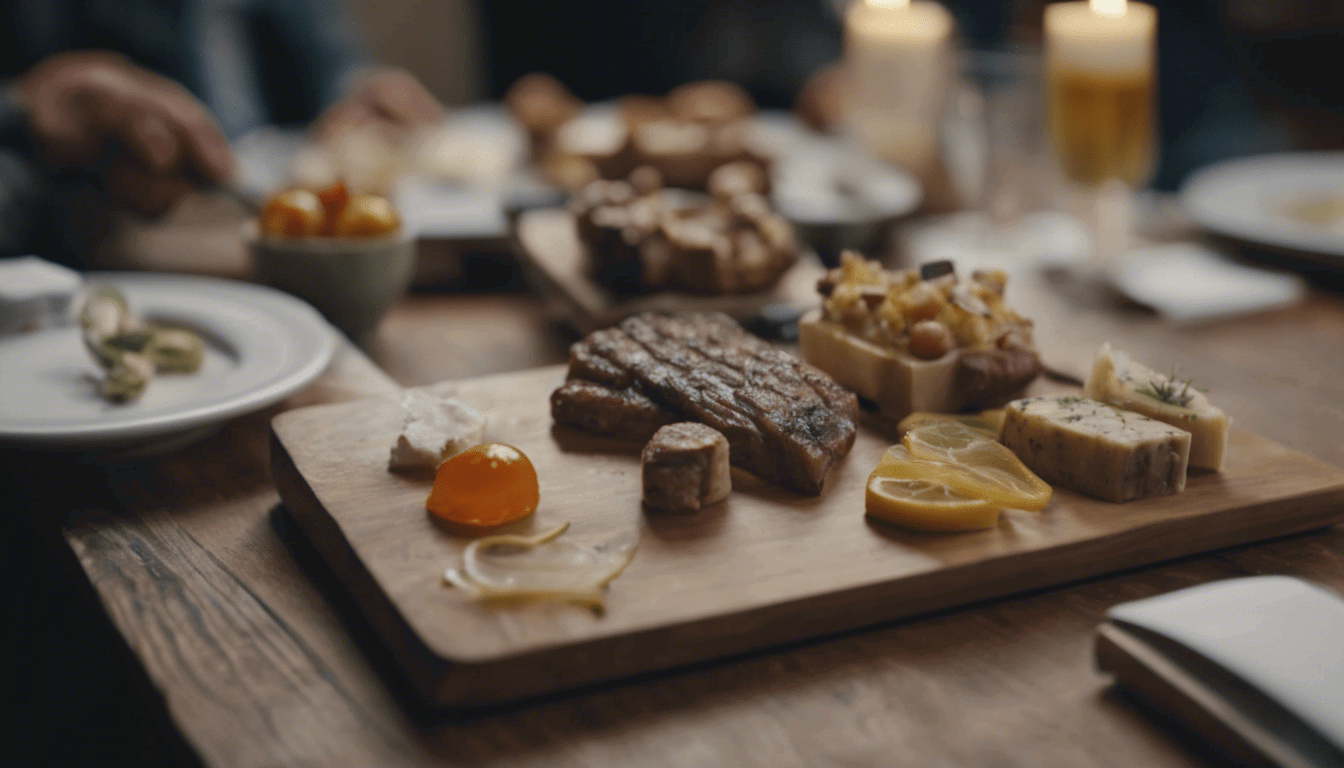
{"x":520,"y":569}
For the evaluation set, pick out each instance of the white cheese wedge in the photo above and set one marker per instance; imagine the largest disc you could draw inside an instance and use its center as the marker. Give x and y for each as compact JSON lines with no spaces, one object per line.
{"x":685,"y":467}
{"x":900,"y":384}
{"x":434,"y":428}
{"x":35,"y":293}
{"x":1095,"y":448}
{"x":1119,"y":380}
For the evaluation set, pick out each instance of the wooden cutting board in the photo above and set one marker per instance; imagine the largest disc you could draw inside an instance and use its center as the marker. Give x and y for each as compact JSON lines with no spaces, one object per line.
{"x":764,"y":567}
{"x":556,"y":262}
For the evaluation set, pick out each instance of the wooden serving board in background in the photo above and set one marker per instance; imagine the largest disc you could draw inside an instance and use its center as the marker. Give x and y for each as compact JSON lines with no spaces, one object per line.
{"x":556,"y":262}
{"x":765,"y":566}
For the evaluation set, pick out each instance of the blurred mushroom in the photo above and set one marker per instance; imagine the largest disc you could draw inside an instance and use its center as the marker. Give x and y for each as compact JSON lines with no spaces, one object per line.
{"x":714,"y":102}
{"x":542,"y":104}
{"x":821,"y":102}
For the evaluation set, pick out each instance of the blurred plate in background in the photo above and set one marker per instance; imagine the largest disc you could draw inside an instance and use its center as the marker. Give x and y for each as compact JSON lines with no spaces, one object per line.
{"x":1293,"y":201}
{"x":465,"y":177}
{"x":556,"y":261}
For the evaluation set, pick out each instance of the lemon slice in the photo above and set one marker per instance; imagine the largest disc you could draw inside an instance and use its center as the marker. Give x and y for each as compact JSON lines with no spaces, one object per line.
{"x":926,"y":506}
{"x":987,"y":422}
{"x":968,"y":462}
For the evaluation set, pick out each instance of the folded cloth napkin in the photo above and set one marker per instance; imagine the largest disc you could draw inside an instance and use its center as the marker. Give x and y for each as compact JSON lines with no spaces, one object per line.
{"x":34,"y":293}
{"x":1188,"y":283}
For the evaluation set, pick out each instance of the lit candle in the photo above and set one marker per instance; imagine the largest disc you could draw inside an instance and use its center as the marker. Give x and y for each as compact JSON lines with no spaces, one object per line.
{"x":1101,"y":64}
{"x":896,"y":68}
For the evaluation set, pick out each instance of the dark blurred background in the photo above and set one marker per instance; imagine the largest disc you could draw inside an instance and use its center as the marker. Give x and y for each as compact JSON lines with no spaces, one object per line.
{"x":1237,"y":76}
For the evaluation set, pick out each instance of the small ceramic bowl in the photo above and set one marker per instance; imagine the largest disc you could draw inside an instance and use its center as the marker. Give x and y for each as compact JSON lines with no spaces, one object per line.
{"x":837,"y":198}
{"x":351,"y":281}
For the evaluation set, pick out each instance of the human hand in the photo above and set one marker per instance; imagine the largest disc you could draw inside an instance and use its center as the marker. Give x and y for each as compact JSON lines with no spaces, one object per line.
{"x":386,"y":99}
{"x":148,"y":137}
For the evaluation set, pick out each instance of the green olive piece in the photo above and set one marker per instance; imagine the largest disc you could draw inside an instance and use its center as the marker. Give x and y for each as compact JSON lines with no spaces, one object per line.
{"x":104,"y":355}
{"x":104,"y":311}
{"x":175,"y":350}
{"x":130,"y":341}
{"x":127,"y":378}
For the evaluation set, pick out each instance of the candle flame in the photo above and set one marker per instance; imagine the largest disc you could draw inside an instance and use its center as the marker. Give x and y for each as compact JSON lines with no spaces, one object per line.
{"x":893,"y":5}
{"x":1111,"y":9}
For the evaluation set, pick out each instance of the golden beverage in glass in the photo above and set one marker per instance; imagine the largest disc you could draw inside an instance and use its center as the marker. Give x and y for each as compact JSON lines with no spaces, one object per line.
{"x":1101,"y":60}
{"x":1100,"y":83}
{"x":1102,"y":125}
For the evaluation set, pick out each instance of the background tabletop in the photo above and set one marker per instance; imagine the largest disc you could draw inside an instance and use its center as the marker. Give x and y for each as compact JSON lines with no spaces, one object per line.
{"x":227,"y":643}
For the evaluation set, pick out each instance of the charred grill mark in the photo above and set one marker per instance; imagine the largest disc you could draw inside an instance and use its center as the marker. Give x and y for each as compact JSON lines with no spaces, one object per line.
{"x":783,"y":420}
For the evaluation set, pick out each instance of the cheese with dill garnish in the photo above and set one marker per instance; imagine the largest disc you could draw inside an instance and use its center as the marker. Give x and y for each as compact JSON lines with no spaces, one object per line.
{"x":1119,"y":380}
{"x":1095,"y":448}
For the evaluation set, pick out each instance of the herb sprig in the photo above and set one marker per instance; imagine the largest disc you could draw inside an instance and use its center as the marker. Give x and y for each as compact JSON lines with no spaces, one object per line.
{"x":1171,"y":390}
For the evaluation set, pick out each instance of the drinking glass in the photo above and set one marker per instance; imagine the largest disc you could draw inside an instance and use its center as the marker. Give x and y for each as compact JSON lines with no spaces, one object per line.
{"x":1102,"y":126}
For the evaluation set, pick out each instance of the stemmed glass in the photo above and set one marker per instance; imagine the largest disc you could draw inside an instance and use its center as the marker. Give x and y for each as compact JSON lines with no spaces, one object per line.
{"x":1102,"y":124}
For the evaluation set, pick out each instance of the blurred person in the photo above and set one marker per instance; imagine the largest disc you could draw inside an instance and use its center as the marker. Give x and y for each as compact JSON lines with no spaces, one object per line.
{"x":139,"y":98}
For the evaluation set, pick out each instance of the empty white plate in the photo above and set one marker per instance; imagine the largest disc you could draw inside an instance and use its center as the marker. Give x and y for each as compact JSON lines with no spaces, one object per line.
{"x":261,"y":346}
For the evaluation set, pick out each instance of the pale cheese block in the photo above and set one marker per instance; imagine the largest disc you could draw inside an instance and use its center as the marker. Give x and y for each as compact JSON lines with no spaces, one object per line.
{"x":685,"y":467}
{"x":899,"y":383}
{"x":434,"y":428}
{"x":1119,"y":380}
{"x":1096,"y":449}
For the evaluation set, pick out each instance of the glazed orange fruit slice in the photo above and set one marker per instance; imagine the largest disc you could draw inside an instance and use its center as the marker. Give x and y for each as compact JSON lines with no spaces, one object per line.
{"x":488,"y":485}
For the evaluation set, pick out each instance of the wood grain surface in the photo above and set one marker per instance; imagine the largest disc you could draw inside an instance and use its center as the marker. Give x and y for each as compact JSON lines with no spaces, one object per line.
{"x":185,"y":540}
{"x":763,"y":567}
{"x":557,"y":265}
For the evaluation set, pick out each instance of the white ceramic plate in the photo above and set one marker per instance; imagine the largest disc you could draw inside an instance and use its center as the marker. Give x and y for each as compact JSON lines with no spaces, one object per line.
{"x":261,"y":346}
{"x":1293,"y":201}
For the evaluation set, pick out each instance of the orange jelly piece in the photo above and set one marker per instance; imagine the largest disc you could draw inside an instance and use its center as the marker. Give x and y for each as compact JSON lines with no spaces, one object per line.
{"x":366,"y":216}
{"x":334,"y":199}
{"x":490,"y":484}
{"x":293,"y":213}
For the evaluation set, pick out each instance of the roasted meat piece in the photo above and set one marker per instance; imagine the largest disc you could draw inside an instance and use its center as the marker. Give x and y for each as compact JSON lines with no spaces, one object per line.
{"x":785,"y":421}
{"x":624,"y":414}
{"x":640,"y":239}
{"x":685,"y":467}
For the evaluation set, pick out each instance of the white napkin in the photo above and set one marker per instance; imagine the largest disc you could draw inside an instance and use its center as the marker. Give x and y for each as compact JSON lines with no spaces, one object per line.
{"x":1187,"y":283}
{"x":34,"y":293}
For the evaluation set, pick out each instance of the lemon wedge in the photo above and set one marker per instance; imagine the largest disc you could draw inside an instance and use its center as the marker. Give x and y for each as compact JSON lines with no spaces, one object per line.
{"x":967,"y":461}
{"x":987,"y":422}
{"x":926,"y":506}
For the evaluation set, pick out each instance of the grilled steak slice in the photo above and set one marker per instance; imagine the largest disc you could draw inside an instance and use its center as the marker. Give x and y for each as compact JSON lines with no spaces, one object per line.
{"x":624,"y":414}
{"x":784,"y":420}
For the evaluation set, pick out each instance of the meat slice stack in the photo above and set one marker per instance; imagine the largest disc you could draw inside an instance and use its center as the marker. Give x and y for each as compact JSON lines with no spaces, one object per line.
{"x":785,"y":421}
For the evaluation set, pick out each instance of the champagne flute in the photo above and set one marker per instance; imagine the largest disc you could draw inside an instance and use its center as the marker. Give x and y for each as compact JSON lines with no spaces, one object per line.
{"x":1101,"y":85}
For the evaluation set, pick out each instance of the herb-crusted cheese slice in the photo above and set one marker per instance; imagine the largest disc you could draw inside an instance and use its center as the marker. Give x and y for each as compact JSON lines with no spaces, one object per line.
{"x":1096,"y":449}
{"x":1119,"y":380}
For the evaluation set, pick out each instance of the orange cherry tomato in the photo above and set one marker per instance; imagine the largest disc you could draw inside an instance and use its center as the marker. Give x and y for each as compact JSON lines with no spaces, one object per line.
{"x":334,"y":199}
{"x":366,"y":216}
{"x":490,"y":484}
{"x":293,"y":213}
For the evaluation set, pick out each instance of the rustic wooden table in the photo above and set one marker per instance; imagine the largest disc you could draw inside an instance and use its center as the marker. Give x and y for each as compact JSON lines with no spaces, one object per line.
{"x":238,"y":652}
